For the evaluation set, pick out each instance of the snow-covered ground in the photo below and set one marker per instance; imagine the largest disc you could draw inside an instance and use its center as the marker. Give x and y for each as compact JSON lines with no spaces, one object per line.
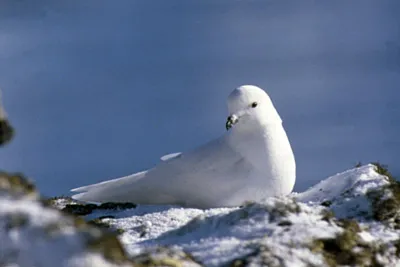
{"x":34,"y":235}
{"x":351,"y":218}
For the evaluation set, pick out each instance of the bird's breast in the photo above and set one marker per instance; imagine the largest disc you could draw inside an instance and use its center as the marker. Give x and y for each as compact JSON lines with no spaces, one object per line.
{"x":271,"y":155}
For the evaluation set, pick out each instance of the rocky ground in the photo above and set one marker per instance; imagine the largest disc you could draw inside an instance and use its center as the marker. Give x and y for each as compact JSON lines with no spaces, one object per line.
{"x":350,"y":219}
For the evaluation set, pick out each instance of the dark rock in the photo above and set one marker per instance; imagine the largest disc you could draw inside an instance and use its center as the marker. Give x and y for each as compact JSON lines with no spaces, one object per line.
{"x":116,"y":206}
{"x":6,"y":131}
{"x":79,"y":209}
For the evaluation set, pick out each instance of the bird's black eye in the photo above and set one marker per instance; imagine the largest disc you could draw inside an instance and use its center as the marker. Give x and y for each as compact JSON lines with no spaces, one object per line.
{"x":254,"y":104}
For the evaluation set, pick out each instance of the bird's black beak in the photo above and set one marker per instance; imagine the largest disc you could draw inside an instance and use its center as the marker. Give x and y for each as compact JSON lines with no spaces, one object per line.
{"x":233,"y":119}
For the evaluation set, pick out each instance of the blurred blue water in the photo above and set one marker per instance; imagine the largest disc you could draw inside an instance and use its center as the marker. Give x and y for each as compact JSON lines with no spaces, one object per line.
{"x":101,"y":89}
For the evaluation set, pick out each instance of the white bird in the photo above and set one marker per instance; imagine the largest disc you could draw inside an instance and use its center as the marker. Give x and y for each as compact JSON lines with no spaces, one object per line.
{"x":251,"y":161}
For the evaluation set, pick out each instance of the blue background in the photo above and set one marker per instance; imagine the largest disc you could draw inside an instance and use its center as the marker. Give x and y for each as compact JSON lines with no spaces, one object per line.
{"x":101,"y":89}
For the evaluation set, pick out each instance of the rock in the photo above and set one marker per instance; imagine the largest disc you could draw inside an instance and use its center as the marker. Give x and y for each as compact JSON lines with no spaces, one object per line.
{"x":386,"y":199}
{"x":17,"y":185}
{"x":163,"y":256}
{"x":79,"y":209}
{"x":6,"y":131}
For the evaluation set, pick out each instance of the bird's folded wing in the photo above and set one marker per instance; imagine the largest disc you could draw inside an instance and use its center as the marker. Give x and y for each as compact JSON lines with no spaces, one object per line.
{"x":183,"y":178}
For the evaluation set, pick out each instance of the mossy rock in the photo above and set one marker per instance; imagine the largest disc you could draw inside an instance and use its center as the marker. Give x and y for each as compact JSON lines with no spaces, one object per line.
{"x":277,"y":210}
{"x":347,"y":248}
{"x":282,"y":210}
{"x":6,"y":132}
{"x":108,"y":245}
{"x":150,"y":261}
{"x":98,"y":239}
{"x":262,"y":256}
{"x":85,"y":209}
{"x":285,"y":223}
{"x":99,"y":222}
{"x":16,"y":184}
{"x":53,"y":201}
{"x":102,"y":223}
{"x":327,"y":215}
{"x":163,"y":256}
{"x":396,"y":244}
{"x":79,"y":209}
{"x":386,"y":200}
{"x":116,"y":206}
{"x":94,"y":238}
{"x":98,"y":235}
{"x":326,"y":203}
{"x":383,"y":170}
{"x":349,"y":225}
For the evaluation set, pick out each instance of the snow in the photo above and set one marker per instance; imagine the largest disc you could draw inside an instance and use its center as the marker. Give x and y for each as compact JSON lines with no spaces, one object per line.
{"x":35,"y":244}
{"x":287,"y":231}
{"x":359,"y":180}
{"x":34,"y":235}
{"x":218,"y":236}
{"x":347,"y":191}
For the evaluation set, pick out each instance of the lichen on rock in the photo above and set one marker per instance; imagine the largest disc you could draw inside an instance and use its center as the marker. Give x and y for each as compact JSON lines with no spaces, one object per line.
{"x":17,"y":185}
{"x":386,"y":200}
{"x":347,"y":247}
{"x":85,"y":209}
{"x":164,"y":256}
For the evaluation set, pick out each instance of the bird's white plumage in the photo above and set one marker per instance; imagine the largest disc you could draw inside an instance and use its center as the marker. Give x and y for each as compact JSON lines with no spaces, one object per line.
{"x":170,"y":156}
{"x":252,"y":161}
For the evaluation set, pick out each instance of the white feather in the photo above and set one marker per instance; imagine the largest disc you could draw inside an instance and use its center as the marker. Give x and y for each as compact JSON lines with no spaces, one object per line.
{"x":170,"y":156}
{"x":254,"y":160}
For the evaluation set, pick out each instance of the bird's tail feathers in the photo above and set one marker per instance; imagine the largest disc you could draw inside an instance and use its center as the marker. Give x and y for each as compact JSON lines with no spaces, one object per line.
{"x":104,"y":190}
